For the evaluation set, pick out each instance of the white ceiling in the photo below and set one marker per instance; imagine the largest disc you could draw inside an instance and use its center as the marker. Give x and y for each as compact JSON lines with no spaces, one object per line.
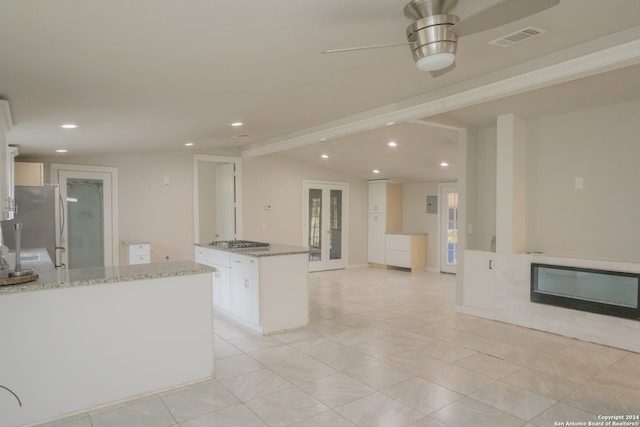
{"x":141,"y":75}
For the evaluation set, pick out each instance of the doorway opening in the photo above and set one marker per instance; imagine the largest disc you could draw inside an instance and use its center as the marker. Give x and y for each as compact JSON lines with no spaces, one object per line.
{"x":89,"y":202}
{"x":448,"y":225}
{"x":325,"y":219}
{"x":217,"y":199}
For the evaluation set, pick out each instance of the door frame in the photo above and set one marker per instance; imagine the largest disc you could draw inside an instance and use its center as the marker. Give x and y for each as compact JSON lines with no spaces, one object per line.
{"x":237,"y":161}
{"x":441,"y":189}
{"x":113,"y":230}
{"x":331,"y":185}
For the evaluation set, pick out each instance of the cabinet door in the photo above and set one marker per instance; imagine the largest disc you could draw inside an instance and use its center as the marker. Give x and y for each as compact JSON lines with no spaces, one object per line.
{"x":376,"y":245}
{"x":479,"y":280}
{"x":245,"y":289}
{"x":377,"y":197}
{"x":222,"y":287}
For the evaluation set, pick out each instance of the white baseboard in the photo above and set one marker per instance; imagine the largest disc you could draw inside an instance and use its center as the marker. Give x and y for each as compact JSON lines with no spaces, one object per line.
{"x":473,"y":311}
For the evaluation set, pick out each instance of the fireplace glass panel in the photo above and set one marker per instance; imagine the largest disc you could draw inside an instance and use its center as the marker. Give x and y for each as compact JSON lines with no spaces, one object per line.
{"x":589,"y":286}
{"x":614,"y":293}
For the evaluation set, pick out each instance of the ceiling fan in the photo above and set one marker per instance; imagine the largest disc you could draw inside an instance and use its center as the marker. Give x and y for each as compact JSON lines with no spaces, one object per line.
{"x":433,"y":34}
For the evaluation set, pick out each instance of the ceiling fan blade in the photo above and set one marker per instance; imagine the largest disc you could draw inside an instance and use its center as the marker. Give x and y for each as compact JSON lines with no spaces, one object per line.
{"x":351,"y":49}
{"x":500,"y":14}
{"x":437,"y":73}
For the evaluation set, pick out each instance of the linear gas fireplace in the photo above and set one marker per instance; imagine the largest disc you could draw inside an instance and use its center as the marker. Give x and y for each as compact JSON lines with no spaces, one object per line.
{"x":612,"y":293}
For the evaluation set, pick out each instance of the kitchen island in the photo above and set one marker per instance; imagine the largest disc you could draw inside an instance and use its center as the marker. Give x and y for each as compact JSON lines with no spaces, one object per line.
{"x":264,"y":288}
{"x":80,"y":338}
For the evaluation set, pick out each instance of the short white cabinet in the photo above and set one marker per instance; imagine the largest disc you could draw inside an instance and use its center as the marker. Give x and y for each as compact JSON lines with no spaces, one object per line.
{"x":406,"y":251}
{"x":137,"y":252}
{"x":245,"y":291}
{"x":480,"y":282}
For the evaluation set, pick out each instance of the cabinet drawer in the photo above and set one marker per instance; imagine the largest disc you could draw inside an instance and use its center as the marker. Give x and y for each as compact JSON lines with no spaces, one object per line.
{"x":140,"y":249}
{"x":139,"y":259}
{"x":204,"y":256}
{"x":220,"y":258}
{"x":398,"y":258}
{"x":398,"y":242}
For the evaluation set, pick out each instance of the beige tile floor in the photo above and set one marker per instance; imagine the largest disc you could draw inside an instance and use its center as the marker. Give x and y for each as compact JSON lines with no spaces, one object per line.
{"x":386,"y":348}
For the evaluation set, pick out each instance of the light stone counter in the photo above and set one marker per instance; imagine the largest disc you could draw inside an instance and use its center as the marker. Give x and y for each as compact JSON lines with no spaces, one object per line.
{"x":50,"y":278}
{"x":90,"y":336}
{"x":275,"y":249}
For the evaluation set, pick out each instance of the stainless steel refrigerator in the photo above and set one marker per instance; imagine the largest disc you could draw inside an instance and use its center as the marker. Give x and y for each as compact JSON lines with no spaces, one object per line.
{"x":39,"y":211}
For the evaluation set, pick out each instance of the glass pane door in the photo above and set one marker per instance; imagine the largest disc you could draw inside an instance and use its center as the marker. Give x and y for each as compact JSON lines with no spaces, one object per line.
{"x":448,"y":227}
{"x":85,"y":222}
{"x":325,"y":219}
{"x":315,"y":224}
{"x":335,"y":234}
{"x":88,"y":231}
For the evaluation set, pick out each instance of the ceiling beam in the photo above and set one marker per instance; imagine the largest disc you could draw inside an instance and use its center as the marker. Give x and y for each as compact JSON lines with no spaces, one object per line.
{"x":476,"y":91}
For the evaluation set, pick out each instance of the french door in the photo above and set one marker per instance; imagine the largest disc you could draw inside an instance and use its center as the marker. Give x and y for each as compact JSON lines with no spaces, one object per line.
{"x":89,"y":215}
{"x":325,"y":214}
{"x":448,"y":227}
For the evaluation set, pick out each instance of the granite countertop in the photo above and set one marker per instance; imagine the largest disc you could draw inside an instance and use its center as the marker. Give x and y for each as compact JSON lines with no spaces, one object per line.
{"x":275,"y":249}
{"x":66,"y":278}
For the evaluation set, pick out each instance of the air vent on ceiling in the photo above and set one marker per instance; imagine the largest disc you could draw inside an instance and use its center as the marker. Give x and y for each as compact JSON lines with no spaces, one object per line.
{"x":518,"y":36}
{"x":241,"y":136}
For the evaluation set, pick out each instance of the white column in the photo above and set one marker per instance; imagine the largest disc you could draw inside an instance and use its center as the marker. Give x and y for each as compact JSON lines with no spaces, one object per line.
{"x":510,"y":175}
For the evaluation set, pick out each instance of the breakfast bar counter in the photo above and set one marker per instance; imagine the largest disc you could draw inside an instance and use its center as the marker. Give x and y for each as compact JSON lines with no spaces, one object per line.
{"x":80,"y":338}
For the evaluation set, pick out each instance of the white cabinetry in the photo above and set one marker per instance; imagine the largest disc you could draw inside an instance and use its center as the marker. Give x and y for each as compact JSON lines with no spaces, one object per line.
{"x":245,"y":290}
{"x":137,"y":252}
{"x":385,"y":216}
{"x":378,"y":197}
{"x":7,"y":154}
{"x":407,"y":251}
{"x":377,"y":230}
{"x":221,"y":278}
{"x":480,"y":282}
{"x":268,"y":294}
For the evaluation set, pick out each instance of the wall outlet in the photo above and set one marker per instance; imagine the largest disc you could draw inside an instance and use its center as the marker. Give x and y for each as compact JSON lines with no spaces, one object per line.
{"x":579,"y":183}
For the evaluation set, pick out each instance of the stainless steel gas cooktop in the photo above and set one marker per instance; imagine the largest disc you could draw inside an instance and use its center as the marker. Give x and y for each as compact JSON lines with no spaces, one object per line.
{"x":238,"y":244}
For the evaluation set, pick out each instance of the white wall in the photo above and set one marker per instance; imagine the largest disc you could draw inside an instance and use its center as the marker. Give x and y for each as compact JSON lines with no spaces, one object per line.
{"x":600,"y":221}
{"x":163,"y":214}
{"x":148,"y":209}
{"x":485,"y":189}
{"x":276,"y":180}
{"x":207,"y":201}
{"x":415,"y":218}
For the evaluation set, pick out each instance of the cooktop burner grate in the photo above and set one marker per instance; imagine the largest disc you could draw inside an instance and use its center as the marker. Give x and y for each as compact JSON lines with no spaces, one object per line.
{"x":238,"y":244}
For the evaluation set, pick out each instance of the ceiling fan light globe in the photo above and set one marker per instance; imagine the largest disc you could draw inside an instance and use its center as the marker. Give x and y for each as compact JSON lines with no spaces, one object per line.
{"x":436,"y":61}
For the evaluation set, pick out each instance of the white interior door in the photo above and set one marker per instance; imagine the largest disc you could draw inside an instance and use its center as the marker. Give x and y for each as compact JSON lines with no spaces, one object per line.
{"x":89,"y":234}
{"x":225,"y":202}
{"x":448,"y":214}
{"x":325,"y":213}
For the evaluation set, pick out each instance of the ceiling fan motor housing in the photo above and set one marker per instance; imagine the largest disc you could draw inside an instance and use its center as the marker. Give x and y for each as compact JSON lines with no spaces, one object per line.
{"x":431,"y":35}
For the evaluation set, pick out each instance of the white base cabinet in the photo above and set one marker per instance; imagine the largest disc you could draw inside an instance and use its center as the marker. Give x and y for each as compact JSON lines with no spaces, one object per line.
{"x":137,"y":252}
{"x":268,"y":293}
{"x":406,"y":251}
{"x":480,"y":282}
{"x":245,"y":293}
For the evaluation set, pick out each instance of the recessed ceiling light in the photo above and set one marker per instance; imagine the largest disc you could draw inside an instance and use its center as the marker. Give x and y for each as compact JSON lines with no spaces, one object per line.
{"x":189,"y":144}
{"x":375,"y":171}
{"x":391,"y":123}
{"x":68,"y":126}
{"x":236,"y":124}
{"x":325,"y":156}
{"x":392,"y":144}
{"x":61,"y":150}
{"x":444,"y":164}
